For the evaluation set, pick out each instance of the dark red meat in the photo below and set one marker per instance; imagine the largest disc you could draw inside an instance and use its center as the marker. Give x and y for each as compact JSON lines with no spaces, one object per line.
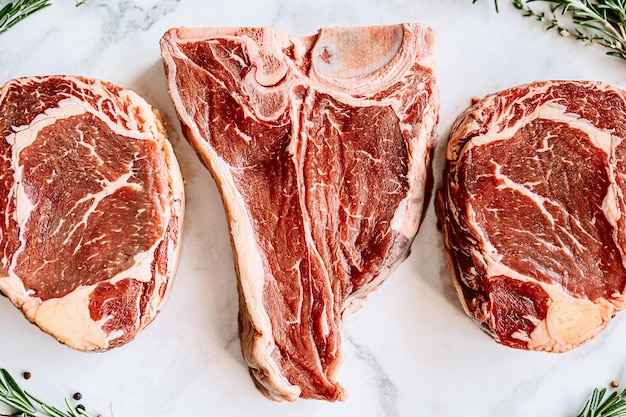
{"x":92,"y":208}
{"x":321,"y":147}
{"x":531,"y":212}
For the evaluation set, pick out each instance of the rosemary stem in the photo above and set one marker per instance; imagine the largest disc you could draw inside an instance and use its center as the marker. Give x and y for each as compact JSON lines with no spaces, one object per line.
{"x":602,"y":22}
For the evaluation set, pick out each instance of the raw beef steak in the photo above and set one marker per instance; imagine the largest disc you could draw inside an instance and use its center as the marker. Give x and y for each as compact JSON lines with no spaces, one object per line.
{"x":531,"y":211}
{"x":320,"y":146}
{"x":92,"y":208}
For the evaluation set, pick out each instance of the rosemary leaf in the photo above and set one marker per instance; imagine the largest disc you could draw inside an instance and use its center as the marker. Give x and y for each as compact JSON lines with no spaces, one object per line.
{"x":19,"y":400}
{"x":17,"y":11}
{"x":12,"y":395}
{"x":494,"y":1}
{"x":613,"y":406}
{"x":600,"y":22}
{"x":50,"y":410}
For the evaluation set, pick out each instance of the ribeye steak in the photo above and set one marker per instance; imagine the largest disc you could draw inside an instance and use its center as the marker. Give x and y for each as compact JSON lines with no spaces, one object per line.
{"x":532,"y":212}
{"x":321,"y":147}
{"x":91,"y":207}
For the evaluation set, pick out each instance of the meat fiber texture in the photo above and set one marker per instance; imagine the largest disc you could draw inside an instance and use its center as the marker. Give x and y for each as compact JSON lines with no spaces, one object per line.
{"x":92,"y":208}
{"x":321,"y":147}
{"x":532,"y":212}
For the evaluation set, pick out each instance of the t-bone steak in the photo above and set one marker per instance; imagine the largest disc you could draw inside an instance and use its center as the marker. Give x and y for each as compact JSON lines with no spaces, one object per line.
{"x":91,"y":207}
{"x":321,"y":148}
{"x":532,"y":212}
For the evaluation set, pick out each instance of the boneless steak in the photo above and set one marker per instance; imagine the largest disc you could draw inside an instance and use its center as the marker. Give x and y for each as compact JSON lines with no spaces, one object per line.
{"x":91,"y":208}
{"x":532,"y":212}
{"x":320,"y":146}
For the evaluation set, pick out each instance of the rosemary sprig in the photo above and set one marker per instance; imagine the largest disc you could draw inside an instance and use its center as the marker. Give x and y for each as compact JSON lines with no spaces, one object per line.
{"x":22,"y":402}
{"x":601,"y":22}
{"x":613,"y":406}
{"x":13,"y":13}
{"x":495,"y":2}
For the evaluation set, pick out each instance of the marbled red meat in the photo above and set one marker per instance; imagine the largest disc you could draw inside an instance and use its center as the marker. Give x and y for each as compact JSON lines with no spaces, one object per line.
{"x":321,"y":147}
{"x":531,"y":210}
{"x":92,"y":208}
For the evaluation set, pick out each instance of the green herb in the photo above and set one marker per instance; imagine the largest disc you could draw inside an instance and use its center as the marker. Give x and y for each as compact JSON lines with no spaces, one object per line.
{"x":495,"y":2}
{"x":22,"y":402}
{"x":613,"y":406}
{"x":12,"y":13}
{"x":601,"y":22}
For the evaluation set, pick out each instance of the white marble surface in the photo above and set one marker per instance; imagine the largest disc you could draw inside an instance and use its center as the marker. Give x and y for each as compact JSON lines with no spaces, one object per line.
{"x":410,"y":351}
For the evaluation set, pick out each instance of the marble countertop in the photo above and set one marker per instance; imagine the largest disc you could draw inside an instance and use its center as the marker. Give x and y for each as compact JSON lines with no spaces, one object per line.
{"x":411,"y":351}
